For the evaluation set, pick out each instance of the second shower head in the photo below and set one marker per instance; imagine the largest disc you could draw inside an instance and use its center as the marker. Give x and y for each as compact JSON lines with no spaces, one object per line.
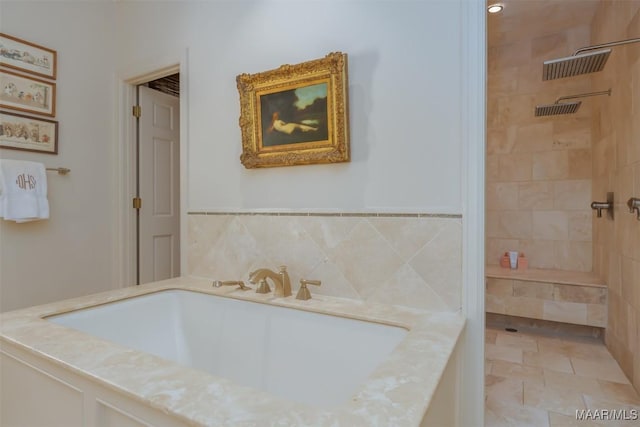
{"x":559,"y":107}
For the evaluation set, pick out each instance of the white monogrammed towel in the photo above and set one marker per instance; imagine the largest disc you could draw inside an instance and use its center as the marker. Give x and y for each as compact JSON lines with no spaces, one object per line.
{"x":23,"y":191}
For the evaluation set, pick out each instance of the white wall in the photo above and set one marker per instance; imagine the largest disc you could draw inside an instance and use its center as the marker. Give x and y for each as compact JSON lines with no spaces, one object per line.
{"x":70,"y":254}
{"x":404,"y":89}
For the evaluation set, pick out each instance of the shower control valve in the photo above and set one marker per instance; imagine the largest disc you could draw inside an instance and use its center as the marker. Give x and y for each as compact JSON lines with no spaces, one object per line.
{"x":634,"y":205}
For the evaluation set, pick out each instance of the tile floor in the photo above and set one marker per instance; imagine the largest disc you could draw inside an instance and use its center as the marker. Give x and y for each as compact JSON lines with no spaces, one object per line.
{"x":539,"y":380}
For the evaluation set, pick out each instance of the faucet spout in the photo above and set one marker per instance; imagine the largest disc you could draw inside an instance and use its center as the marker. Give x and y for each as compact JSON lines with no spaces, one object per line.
{"x":280,"y":279}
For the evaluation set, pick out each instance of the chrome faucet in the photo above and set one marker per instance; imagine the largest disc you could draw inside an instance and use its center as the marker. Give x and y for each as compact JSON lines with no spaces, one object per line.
{"x":280,"y":279}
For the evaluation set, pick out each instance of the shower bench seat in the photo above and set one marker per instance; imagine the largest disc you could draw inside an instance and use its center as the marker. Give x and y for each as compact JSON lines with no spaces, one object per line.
{"x":555,"y":295}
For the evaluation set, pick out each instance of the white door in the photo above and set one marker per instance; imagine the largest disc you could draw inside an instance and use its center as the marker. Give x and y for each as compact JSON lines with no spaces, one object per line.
{"x":159,"y":186}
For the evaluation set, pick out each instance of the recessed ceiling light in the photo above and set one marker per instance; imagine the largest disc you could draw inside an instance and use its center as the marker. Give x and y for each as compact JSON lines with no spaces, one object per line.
{"x":495,"y":8}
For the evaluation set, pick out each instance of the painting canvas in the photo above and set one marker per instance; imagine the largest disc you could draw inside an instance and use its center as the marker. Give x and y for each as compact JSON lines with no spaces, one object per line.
{"x":27,"y":57}
{"x":296,"y":114}
{"x":27,"y":94}
{"x":28,"y":133}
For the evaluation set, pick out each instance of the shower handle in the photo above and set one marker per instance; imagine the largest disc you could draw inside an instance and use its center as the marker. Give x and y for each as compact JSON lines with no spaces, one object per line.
{"x":634,"y":205}
{"x":599,"y":206}
{"x":608,"y":206}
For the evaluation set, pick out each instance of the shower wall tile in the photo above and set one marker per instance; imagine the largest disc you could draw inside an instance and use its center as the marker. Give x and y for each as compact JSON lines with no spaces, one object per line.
{"x":551,"y":165}
{"x":616,"y":166}
{"x":549,"y":158}
{"x":413,"y":261}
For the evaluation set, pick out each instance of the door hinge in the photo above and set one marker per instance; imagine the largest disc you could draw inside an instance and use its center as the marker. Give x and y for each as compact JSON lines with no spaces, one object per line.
{"x":137,"y":111}
{"x":137,"y":203}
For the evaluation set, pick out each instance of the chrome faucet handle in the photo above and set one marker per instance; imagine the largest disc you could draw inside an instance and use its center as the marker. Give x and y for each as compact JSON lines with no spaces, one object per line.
{"x":608,"y":206}
{"x":599,"y":206}
{"x":303,"y":292}
{"x":239,"y":283}
{"x":634,"y":205}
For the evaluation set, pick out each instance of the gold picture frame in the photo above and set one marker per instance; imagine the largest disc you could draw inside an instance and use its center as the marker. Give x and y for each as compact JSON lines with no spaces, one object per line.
{"x":295,"y":114}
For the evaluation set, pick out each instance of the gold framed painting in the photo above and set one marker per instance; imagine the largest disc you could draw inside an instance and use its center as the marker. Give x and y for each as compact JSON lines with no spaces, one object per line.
{"x":295,"y":114}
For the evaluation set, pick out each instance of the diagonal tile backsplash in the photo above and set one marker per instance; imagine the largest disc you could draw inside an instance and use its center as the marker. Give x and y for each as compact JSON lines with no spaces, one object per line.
{"x":409,"y":260}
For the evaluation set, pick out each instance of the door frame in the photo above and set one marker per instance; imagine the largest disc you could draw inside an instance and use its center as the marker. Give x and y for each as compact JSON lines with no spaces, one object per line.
{"x":124,"y":170}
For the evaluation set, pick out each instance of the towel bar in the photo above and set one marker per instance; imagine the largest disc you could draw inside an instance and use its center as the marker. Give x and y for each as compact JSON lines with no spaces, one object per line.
{"x":61,"y":171}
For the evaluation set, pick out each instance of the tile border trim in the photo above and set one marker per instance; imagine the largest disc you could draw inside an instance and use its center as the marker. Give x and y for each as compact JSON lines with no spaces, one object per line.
{"x":337,"y":214}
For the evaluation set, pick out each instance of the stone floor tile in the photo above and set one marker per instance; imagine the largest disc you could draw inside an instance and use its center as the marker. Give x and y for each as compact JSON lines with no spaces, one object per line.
{"x":553,"y":361}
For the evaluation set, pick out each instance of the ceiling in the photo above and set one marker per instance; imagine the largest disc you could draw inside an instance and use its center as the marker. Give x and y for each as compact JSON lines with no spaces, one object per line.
{"x":527,"y":19}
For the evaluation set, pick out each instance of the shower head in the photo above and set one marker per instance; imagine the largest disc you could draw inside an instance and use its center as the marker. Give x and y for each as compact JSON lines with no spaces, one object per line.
{"x":570,"y":66}
{"x":581,"y":63}
{"x":558,"y":107}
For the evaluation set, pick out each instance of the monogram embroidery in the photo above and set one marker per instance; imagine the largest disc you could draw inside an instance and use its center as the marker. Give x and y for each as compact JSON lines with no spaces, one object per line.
{"x":25,"y":181}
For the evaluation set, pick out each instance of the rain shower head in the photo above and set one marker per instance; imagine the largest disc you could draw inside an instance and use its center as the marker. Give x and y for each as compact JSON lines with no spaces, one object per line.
{"x":581,"y":63}
{"x":558,"y":107}
{"x":570,"y":66}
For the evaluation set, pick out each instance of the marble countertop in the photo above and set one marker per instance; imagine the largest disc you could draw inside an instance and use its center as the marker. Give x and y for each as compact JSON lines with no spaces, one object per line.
{"x":397,"y":393}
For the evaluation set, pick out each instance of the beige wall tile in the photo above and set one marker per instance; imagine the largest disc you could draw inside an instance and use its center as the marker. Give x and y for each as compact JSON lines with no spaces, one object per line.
{"x":571,"y":133}
{"x":530,"y":289}
{"x":363,"y":258}
{"x":583,"y":294}
{"x":501,"y":140}
{"x":580,"y":226}
{"x":495,"y":304}
{"x":551,"y":165}
{"x":580,"y":165}
{"x":573,"y":256}
{"x":492,"y":167}
{"x":569,"y":312}
{"x":515,"y":167}
{"x":501,"y":287}
{"x":502,"y":196}
{"x":550,"y":225}
{"x":541,"y":253}
{"x":525,"y":307}
{"x":572,"y":195}
{"x":535,"y":195}
{"x":534,"y":137}
{"x":514,"y":224}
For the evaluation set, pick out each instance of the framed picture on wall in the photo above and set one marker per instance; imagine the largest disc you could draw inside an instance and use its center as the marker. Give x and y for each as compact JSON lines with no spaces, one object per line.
{"x":27,"y":94}
{"x":27,"y":133}
{"x":295,"y":114}
{"x":27,"y":57}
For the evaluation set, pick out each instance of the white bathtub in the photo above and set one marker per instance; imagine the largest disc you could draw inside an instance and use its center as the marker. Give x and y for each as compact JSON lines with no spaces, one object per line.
{"x":180,"y":353}
{"x":305,"y":357}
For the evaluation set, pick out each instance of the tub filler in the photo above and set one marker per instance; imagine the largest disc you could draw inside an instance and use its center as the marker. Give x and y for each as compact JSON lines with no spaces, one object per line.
{"x":179,"y":353}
